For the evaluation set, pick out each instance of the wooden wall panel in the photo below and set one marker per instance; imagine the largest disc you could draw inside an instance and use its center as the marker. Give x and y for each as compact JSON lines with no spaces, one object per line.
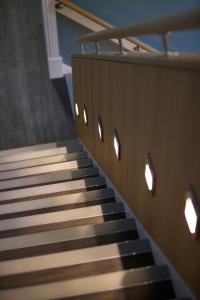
{"x":155,"y":108}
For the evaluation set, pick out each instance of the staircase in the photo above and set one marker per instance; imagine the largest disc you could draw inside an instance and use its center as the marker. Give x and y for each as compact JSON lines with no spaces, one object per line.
{"x":63,"y":235}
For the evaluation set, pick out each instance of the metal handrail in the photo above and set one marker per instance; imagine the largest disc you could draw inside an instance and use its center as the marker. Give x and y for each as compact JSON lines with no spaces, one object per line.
{"x":162,"y":26}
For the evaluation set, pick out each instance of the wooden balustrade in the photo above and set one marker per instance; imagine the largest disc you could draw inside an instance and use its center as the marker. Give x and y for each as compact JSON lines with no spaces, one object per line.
{"x":153,"y":101}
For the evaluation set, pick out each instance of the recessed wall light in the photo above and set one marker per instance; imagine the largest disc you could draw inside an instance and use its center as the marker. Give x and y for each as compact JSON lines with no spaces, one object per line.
{"x":191,"y":213}
{"x":76,"y":109}
{"x":149,"y":174}
{"x":100,"y":128}
{"x":116,"y":144}
{"x":85,"y":116}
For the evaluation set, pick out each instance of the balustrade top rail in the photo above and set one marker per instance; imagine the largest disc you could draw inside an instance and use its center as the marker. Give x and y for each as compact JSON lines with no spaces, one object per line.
{"x":86,"y":14}
{"x":162,"y":26}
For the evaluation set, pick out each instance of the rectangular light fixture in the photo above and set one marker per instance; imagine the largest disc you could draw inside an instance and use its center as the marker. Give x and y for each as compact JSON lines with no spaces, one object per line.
{"x":149,"y":174}
{"x":116,"y":144}
{"x":191,"y":213}
{"x":76,"y":109}
{"x":85,"y":116}
{"x":100,"y":128}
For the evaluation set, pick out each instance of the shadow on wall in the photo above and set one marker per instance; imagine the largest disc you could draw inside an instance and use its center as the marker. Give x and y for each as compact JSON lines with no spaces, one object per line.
{"x":63,"y":93}
{"x":67,"y":70}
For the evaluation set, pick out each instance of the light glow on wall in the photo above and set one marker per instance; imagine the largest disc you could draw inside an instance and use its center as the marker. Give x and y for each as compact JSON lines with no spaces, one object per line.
{"x":85,"y":117}
{"x":191,"y":213}
{"x":116,"y":145}
{"x":149,"y":177}
{"x":149,"y":174}
{"x":100,"y":128}
{"x":76,"y":109}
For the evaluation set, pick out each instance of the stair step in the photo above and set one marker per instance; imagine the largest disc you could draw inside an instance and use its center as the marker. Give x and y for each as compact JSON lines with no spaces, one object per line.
{"x":74,"y":164}
{"x":42,"y":161}
{"x":61,"y":219}
{"x":150,"y":282}
{"x":63,"y":235}
{"x":52,"y":189}
{"x":53,"y":177}
{"x":41,"y":153}
{"x":67,"y":239}
{"x":74,"y":264}
{"x":39,"y":147}
{"x":56,"y":203}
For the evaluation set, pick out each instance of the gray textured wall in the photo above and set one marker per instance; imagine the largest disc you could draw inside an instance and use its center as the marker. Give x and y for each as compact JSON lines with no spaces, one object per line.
{"x":33,"y":109}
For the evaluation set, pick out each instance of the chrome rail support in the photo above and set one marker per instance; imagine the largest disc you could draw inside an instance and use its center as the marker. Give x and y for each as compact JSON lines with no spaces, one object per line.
{"x":82,"y":48}
{"x":120,"y":46}
{"x":165,"y":39}
{"x":98,"y":50}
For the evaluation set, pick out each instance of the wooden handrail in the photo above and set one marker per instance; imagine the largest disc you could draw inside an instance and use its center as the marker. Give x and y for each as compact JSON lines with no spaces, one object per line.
{"x":85,"y":13}
{"x":104,"y":24}
{"x":187,"y":20}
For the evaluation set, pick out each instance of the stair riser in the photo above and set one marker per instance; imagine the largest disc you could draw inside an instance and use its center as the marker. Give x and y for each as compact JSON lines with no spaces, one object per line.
{"x":77,"y":271}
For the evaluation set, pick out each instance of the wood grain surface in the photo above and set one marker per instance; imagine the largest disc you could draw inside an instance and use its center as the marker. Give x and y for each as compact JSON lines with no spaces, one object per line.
{"x":154,"y":104}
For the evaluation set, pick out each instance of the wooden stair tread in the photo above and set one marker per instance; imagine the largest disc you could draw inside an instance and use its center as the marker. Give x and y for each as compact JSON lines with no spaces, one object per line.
{"x":41,"y":153}
{"x":90,"y":285}
{"x":38,"y":147}
{"x":57,"y":176}
{"x":72,"y":200}
{"x":42,"y":161}
{"x":69,"y":218}
{"x":74,"y":164}
{"x":74,"y":257}
{"x":52,"y":189}
{"x":67,"y":234}
{"x":75,"y":264}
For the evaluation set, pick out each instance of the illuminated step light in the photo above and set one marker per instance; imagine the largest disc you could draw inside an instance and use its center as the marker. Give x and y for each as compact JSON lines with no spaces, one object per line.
{"x":76,"y":109}
{"x":100,"y":128}
{"x":191,"y":213}
{"x":116,"y":145}
{"x":149,"y":174}
{"x":85,"y":116}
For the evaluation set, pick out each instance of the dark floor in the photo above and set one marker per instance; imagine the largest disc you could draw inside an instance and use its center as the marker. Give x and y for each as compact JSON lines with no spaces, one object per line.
{"x":33,"y":109}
